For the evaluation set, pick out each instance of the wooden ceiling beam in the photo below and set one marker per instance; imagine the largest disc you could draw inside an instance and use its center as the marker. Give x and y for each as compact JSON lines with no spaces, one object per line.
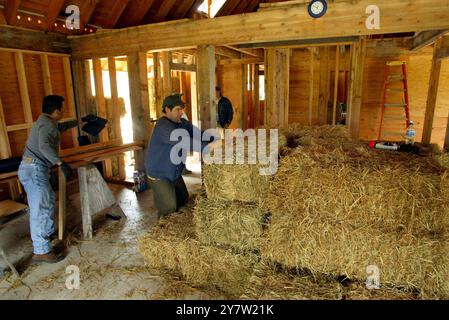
{"x":10,"y":11}
{"x":116,"y":11}
{"x":193,"y":8}
{"x":86,"y":11}
{"x":135,"y":13}
{"x":53,"y":11}
{"x":267,"y":26}
{"x":163,"y":10}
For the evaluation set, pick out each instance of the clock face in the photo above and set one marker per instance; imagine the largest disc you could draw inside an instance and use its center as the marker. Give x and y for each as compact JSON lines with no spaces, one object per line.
{"x":317,"y":8}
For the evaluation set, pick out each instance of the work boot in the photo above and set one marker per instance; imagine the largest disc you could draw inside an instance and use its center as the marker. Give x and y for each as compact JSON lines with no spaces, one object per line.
{"x":50,"y":257}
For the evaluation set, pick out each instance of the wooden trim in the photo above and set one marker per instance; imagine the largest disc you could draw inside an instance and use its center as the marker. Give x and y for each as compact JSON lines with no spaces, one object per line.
{"x":432,"y":94}
{"x":46,"y":75}
{"x":336,"y":78}
{"x":70,"y":96}
{"x":5,"y":147}
{"x":23,"y":87}
{"x":18,"y":127}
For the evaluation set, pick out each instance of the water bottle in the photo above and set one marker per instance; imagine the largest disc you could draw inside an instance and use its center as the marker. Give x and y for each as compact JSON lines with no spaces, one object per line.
{"x":410,"y":134}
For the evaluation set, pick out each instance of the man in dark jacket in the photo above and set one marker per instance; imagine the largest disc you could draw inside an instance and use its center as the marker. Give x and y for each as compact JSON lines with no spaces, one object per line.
{"x":169,"y":190}
{"x":225,"y":112}
{"x":41,"y":153}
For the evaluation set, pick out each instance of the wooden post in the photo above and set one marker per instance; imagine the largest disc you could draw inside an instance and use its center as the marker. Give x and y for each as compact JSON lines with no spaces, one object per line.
{"x":324,"y":86}
{"x":206,"y":86}
{"x":337,"y":70}
{"x":311,"y":80}
{"x":116,"y":113}
{"x":23,"y":87}
{"x":256,"y":100}
{"x":140,"y":109}
{"x":5,"y":147}
{"x":70,"y":96}
{"x":81,"y":83}
{"x":359,"y":54}
{"x":84,"y":199}
{"x":167,"y":78}
{"x":62,"y":201}
{"x":432,"y":94}
{"x":101,"y":109}
{"x":46,"y":74}
{"x":194,"y":99}
{"x":277,"y":70}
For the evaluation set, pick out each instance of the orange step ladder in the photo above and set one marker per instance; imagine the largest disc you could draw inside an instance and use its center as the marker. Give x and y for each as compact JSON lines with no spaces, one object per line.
{"x":389,"y":108}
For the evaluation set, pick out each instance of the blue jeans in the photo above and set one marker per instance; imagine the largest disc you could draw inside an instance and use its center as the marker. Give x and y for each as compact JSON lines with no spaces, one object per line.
{"x":41,"y":200}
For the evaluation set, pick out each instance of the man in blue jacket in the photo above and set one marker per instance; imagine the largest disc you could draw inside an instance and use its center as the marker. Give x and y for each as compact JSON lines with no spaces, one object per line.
{"x":169,"y":190}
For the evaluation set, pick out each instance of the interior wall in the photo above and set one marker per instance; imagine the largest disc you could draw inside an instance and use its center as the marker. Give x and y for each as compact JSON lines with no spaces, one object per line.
{"x":231,"y":81}
{"x":418,"y":75}
{"x":11,"y":97}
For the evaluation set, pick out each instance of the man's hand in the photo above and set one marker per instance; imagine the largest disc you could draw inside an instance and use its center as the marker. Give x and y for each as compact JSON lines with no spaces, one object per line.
{"x":66,"y":170}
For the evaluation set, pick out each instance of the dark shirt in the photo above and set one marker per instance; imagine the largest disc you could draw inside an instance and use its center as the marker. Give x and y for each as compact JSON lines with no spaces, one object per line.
{"x":43,"y":142}
{"x":158,"y":164}
{"x":225,"y":112}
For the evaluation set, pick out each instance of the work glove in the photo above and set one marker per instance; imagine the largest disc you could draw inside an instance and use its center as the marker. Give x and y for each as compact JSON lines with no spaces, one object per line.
{"x":66,"y":170}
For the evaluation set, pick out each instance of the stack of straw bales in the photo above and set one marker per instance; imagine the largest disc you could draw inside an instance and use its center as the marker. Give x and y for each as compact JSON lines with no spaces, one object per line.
{"x":172,"y":245}
{"x":338,"y":208}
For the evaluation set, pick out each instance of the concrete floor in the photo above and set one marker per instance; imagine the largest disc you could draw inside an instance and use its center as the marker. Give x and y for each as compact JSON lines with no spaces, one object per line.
{"x":110,"y":265}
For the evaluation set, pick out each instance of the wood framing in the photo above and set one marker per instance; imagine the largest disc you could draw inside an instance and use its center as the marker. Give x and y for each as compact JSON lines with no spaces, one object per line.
{"x":183,"y":67}
{"x":324,"y":85}
{"x":256,"y":100}
{"x":166,"y":77}
{"x":356,"y":87}
{"x":116,"y":11}
{"x":426,"y":38}
{"x":62,"y":204}
{"x":5,"y":148}
{"x":432,"y":94}
{"x":277,"y":78}
{"x":337,"y":71}
{"x":206,"y":86}
{"x":140,"y":104}
{"x":342,"y":19}
{"x":70,"y":103}
{"x":23,"y":87}
{"x":55,"y":7}
{"x":46,"y":74}
{"x":311,"y":80}
{"x":11,"y":10}
{"x":25,"y":39}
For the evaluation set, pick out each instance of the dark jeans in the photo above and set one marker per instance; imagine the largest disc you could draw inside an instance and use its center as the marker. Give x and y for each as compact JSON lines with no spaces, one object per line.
{"x":169,"y":196}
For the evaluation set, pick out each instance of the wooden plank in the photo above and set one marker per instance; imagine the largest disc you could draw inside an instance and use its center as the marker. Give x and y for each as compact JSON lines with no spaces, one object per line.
{"x":46,"y":75}
{"x":54,"y":8}
{"x":116,"y":11}
{"x":311,"y":81}
{"x":359,"y":55}
{"x":18,"y":127}
{"x":90,"y":148}
{"x":11,"y":10}
{"x":241,"y":61}
{"x":62,"y":204}
{"x":9,"y":207}
{"x":183,"y":67}
{"x":206,"y":86}
{"x":304,"y":43}
{"x":23,"y":86}
{"x":84,"y":199}
{"x":86,"y":10}
{"x":80,"y":79}
{"x":346,"y":19}
{"x":337,"y":71}
{"x":246,"y":52}
{"x":5,"y":148}
{"x":138,"y":85}
{"x":256,"y":100}
{"x":226,"y":52}
{"x":166,"y":73}
{"x":134,"y":13}
{"x":277,"y":70}
{"x":426,"y":38}
{"x":101,"y":107}
{"x":33,"y":41}
{"x":432,"y":94}
{"x":324,"y":85}
{"x":70,"y":96}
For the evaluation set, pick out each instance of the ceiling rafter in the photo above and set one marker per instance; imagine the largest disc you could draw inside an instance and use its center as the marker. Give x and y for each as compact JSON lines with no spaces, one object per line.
{"x":10,"y":11}
{"x":86,"y":11}
{"x":134,"y":13}
{"x":116,"y":11}
{"x":53,"y":11}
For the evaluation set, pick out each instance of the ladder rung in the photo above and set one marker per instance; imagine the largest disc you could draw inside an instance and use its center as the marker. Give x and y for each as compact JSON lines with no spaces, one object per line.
{"x":395,"y":104}
{"x":395,"y":63}
{"x":396,"y":90}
